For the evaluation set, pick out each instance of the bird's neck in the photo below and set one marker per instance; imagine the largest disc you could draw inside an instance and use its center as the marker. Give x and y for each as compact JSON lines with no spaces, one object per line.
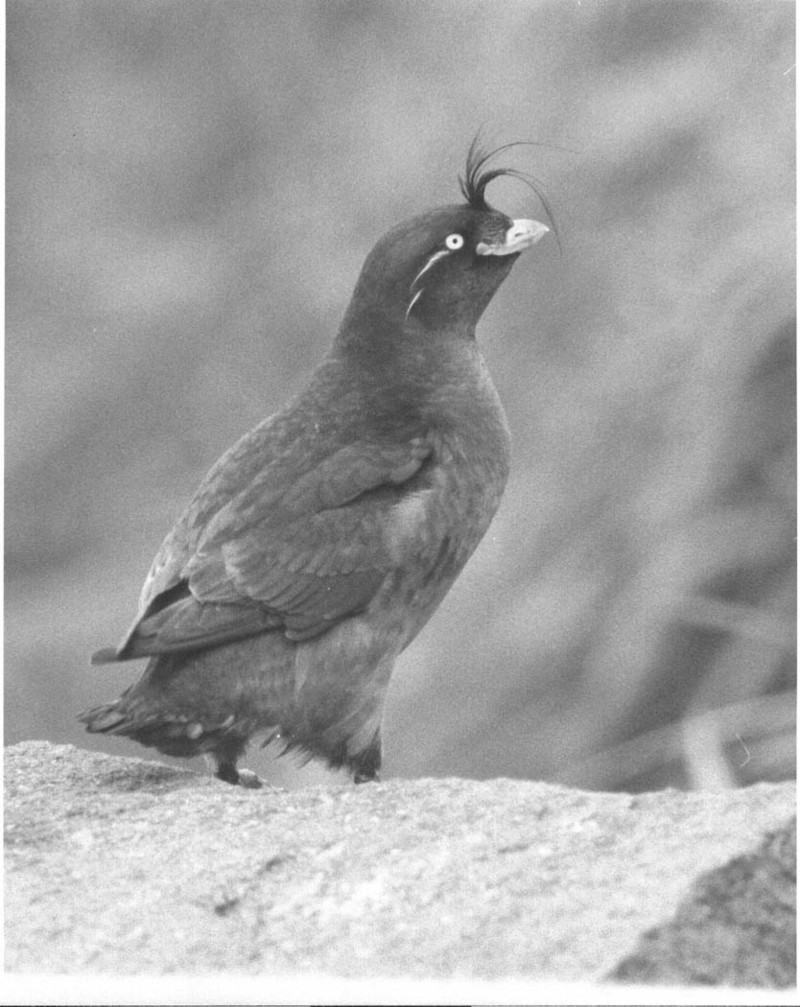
{"x":385,"y":337}
{"x":408,"y":378}
{"x":385,"y":351}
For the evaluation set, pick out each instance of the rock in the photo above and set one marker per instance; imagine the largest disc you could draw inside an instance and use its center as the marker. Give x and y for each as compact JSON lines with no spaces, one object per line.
{"x":737,"y":927}
{"x":124,"y":866}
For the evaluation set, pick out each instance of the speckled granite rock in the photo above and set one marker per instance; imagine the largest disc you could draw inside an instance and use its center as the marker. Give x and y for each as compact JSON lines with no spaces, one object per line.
{"x":124,"y":866}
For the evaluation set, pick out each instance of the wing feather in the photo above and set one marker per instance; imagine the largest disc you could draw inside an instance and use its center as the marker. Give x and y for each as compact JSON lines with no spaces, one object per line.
{"x":299,"y":553}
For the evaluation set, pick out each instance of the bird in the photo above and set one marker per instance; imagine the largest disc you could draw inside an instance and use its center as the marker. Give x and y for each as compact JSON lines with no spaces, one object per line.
{"x":319,"y":545}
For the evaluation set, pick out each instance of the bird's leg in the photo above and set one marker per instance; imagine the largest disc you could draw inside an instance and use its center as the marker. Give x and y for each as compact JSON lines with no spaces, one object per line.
{"x":366,"y":777}
{"x":367,"y":765}
{"x":226,"y":770}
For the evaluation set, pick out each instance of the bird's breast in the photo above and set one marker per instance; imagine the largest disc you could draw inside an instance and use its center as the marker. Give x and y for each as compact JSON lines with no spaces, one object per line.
{"x":433,"y":530}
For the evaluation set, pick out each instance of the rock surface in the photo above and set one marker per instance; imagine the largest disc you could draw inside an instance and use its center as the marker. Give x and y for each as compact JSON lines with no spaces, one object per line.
{"x":737,"y":926}
{"x":124,"y":866}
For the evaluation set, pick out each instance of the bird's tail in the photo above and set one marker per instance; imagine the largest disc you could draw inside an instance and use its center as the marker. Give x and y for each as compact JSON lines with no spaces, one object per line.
{"x":168,"y":733}
{"x":105,"y":655}
{"x":105,"y":719}
{"x":172,"y":724}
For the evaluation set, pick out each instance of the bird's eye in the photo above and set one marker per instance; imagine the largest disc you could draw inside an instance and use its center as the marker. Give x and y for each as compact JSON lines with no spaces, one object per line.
{"x":454,"y":242}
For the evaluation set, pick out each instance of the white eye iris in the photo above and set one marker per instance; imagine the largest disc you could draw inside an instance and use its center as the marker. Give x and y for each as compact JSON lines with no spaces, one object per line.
{"x":454,"y":242}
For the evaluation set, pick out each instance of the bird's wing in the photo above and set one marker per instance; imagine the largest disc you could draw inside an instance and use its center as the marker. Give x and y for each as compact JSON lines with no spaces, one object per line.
{"x":300,"y":558}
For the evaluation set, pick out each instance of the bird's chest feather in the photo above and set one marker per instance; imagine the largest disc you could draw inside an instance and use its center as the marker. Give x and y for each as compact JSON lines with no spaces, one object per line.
{"x":442,"y":521}
{"x":434,"y":529}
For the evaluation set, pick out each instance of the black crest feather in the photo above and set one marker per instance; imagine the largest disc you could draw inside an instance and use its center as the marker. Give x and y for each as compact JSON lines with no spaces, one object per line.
{"x":478,"y":175}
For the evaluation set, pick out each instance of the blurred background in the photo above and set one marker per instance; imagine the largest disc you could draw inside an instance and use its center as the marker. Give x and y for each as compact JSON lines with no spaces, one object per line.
{"x":191,"y":190}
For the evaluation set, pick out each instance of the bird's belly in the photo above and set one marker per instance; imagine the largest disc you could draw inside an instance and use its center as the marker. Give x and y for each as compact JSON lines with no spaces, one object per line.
{"x":434,"y":532}
{"x":324,"y":695}
{"x":340,"y":683}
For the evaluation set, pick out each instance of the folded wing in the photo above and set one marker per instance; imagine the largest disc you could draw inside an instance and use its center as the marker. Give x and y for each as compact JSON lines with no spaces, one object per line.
{"x":296,"y":554}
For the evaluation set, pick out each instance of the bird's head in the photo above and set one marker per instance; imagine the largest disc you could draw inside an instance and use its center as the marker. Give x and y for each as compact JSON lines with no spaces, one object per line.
{"x":437,"y":272}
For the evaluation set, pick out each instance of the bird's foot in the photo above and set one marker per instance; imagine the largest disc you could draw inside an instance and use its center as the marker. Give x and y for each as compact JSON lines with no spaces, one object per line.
{"x":249,"y":779}
{"x":228,"y":772}
{"x":366,"y":768}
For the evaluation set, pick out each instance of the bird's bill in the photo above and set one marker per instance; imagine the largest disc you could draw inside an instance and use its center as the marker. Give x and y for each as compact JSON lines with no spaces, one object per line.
{"x":521,"y":235}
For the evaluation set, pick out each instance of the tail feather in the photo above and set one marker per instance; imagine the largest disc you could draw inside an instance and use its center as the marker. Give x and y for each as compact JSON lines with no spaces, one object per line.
{"x":103,"y":719}
{"x":118,"y":718}
{"x":172,"y":734}
{"x":106,"y":655}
